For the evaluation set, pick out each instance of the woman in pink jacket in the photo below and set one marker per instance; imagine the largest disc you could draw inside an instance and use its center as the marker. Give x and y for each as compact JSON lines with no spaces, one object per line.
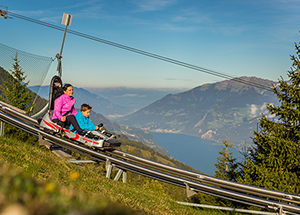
{"x":64,"y":111}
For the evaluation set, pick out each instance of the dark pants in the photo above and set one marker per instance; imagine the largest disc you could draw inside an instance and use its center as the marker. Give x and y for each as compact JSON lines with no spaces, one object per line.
{"x":69,"y":120}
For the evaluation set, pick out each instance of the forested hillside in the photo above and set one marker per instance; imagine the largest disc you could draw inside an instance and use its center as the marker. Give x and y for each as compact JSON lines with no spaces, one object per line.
{"x":39,"y":102}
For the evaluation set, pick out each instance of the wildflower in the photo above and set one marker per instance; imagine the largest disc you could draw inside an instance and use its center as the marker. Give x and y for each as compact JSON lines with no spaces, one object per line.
{"x":50,"y":187}
{"x":74,"y":175}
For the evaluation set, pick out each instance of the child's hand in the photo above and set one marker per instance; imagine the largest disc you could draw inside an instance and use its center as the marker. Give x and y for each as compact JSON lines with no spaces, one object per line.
{"x":100,"y":126}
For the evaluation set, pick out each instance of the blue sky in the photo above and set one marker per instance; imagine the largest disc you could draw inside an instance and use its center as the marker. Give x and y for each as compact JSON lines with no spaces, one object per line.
{"x":241,"y":38}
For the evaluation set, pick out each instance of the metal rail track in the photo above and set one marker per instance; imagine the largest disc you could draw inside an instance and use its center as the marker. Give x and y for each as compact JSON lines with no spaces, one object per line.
{"x":266,"y":193}
{"x":190,"y":182}
{"x":207,"y":179}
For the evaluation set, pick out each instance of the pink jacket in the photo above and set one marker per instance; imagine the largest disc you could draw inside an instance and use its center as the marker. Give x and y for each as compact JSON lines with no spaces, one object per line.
{"x":62,"y":105}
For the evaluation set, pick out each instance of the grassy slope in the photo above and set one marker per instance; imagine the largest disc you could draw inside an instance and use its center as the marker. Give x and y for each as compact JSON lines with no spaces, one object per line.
{"x":56,"y":188}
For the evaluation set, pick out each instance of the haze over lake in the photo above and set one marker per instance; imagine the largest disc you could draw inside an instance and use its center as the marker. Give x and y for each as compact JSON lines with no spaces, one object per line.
{"x":193,"y":151}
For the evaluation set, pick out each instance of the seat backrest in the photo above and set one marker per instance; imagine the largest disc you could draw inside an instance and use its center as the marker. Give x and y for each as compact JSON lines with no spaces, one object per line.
{"x":55,"y":91}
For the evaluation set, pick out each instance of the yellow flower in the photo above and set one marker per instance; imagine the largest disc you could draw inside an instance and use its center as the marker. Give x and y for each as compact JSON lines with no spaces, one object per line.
{"x":50,"y":187}
{"x":75,"y":175}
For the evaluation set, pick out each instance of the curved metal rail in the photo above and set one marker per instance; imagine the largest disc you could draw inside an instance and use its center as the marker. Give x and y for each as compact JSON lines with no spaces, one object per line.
{"x":266,"y":193}
{"x":161,"y":176}
{"x":244,"y":188}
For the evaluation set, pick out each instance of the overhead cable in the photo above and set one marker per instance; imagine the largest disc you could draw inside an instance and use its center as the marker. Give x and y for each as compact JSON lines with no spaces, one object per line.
{"x":138,"y":51}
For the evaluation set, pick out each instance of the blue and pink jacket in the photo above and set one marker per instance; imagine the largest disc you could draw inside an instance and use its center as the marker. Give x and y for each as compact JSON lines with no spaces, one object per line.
{"x":62,"y":105}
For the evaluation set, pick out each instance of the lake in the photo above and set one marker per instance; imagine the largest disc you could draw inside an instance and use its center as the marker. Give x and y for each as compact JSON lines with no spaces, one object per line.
{"x":193,"y":151}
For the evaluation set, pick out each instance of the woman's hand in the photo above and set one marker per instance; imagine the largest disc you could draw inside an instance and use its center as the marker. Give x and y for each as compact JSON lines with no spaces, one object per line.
{"x":63,"y":118}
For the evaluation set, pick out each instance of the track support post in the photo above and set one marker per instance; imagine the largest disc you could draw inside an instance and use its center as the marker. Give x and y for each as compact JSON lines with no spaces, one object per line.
{"x":108,"y":168}
{"x":1,"y":128}
{"x":280,"y":211}
{"x":111,"y":167}
{"x":124,"y":176}
{"x":189,"y":192}
{"x":43,"y":142}
{"x":118,"y":175}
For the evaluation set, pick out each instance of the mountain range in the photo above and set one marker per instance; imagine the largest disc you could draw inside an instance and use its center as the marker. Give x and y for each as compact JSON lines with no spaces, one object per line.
{"x":99,"y":104}
{"x":113,"y":102}
{"x":101,"y":107}
{"x":210,"y":111}
{"x":132,"y":99}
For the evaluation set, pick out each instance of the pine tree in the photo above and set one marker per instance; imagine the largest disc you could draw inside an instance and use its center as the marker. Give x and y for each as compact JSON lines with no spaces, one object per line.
{"x":226,"y":168}
{"x":15,"y":91}
{"x":274,"y":161}
{"x":226,"y":165}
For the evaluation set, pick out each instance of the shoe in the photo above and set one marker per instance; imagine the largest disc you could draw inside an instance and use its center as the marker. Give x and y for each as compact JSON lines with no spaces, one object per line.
{"x":60,"y":133}
{"x":82,"y":133}
{"x":90,"y":135}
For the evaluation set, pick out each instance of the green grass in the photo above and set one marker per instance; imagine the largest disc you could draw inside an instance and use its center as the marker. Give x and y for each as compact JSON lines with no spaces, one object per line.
{"x":42,"y":183}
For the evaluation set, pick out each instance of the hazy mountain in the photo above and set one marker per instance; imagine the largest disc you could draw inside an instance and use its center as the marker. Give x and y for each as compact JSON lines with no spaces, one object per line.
{"x":208,"y":111}
{"x":99,"y":104}
{"x":114,"y":102}
{"x":104,"y":106}
{"x":133,"y":98}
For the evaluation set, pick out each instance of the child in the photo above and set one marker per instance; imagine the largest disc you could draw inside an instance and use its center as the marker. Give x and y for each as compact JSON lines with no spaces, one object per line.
{"x":83,"y":119}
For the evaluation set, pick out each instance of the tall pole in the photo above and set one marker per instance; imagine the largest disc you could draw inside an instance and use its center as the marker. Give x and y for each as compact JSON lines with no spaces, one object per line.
{"x":66,"y":20}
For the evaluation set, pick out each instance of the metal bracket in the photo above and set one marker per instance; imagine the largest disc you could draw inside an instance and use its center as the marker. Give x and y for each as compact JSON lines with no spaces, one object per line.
{"x":110,"y":168}
{"x":108,"y":163}
{"x":3,"y":13}
{"x":119,"y":173}
{"x":42,"y":141}
{"x":278,"y":208}
{"x":280,"y":211}
{"x":81,"y":161}
{"x":288,"y":196}
{"x":200,"y":176}
{"x":189,"y":192}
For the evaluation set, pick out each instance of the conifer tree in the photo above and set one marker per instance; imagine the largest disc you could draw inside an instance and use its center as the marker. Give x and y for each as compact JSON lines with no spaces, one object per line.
{"x":226,"y":168}
{"x":226,"y":165}
{"x":274,"y":161}
{"x":15,"y":91}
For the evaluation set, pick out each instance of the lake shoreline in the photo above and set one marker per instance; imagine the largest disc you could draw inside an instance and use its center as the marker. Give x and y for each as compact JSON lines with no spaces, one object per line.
{"x":193,"y":151}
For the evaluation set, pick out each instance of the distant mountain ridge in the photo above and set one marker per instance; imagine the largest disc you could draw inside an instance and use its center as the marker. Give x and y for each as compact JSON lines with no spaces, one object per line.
{"x":99,"y":104}
{"x":133,"y":98}
{"x":208,"y":111}
{"x":102,"y":106}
